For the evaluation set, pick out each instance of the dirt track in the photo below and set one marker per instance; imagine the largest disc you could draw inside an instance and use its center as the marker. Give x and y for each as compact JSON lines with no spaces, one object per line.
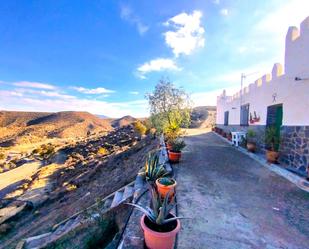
{"x":15,"y":175}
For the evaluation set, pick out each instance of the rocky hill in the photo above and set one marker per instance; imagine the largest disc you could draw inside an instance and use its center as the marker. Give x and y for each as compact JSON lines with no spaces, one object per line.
{"x":203,"y":117}
{"x":32,"y":126}
{"x":124,"y":121}
{"x":70,"y":178}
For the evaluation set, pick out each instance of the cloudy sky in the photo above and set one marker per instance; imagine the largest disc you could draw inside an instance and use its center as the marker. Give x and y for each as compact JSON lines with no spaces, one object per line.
{"x":103,"y":56}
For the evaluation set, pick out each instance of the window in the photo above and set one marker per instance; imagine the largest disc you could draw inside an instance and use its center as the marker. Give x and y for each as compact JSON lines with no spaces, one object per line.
{"x":226,"y":118}
{"x":244,"y":115}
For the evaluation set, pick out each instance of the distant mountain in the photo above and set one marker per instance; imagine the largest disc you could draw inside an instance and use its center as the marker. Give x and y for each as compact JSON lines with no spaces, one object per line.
{"x":101,"y":116}
{"x":124,"y":121}
{"x":203,"y":116}
{"x":31,"y":126}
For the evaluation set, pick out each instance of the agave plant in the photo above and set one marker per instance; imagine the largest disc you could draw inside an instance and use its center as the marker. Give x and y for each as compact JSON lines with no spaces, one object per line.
{"x":166,"y":181}
{"x":153,"y":168}
{"x":178,"y":145}
{"x":160,"y":210}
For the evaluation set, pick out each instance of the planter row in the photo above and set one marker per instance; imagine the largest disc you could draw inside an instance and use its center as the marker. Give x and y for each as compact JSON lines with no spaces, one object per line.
{"x":271,"y":156}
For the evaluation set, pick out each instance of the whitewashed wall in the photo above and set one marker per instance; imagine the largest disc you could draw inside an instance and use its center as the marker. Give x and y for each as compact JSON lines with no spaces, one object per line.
{"x":294,"y":95}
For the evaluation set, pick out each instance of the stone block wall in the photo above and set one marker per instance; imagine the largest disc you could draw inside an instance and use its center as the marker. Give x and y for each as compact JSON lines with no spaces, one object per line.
{"x":295,"y":146}
{"x":259,"y":130}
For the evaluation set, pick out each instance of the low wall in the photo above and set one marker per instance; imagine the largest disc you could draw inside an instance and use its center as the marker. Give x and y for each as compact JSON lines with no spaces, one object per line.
{"x":294,"y":148}
{"x":258,"y":129}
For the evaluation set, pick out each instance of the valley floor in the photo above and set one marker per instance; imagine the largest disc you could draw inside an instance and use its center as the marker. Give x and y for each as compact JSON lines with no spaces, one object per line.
{"x":234,"y":202}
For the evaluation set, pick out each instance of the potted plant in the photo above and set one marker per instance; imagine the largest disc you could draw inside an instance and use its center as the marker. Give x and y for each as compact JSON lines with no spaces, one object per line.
{"x":272,"y":140}
{"x":159,"y":225}
{"x":174,"y":153}
{"x":166,"y":185}
{"x":153,"y":169}
{"x":170,"y":135}
{"x":251,"y":142}
{"x":229,"y":136}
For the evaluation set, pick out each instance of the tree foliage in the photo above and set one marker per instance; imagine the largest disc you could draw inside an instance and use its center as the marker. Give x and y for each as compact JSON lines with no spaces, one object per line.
{"x":170,"y":107}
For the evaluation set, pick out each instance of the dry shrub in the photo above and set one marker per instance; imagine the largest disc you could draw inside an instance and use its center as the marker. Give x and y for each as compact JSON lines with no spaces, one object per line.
{"x":140,"y":128}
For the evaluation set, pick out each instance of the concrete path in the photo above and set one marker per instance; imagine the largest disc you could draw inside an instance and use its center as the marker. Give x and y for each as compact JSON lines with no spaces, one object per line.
{"x":234,"y":202}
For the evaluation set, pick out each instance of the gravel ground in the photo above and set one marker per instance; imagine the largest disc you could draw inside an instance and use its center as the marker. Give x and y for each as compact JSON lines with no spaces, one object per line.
{"x":235,"y":202}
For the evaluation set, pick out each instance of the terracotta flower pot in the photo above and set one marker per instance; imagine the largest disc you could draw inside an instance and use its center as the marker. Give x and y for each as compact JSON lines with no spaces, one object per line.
{"x":163,"y":189}
{"x":174,"y":157}
{"x":272,"y":156}
{"x":251,"y":147}
{"x":168,"y":146}
{"x":159,"y":240}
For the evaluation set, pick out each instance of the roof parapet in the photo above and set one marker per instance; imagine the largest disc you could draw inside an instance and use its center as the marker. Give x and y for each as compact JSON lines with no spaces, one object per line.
{"x":292,"y":34}
{"x":277,"y":70}
{"x":304,"y":26}
{"x":266,"y":78}
{"x":258,"y":82}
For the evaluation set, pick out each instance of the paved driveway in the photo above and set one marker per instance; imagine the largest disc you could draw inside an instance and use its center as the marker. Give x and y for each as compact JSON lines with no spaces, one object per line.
{"x":235,"y":202}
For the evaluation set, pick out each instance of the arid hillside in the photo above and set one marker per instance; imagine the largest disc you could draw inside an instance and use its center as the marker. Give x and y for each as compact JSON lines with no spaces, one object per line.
{"x":203,"y":117}
{"x":124,"y":121}
{"x":23,"y":127}
{"x":61,"y":179}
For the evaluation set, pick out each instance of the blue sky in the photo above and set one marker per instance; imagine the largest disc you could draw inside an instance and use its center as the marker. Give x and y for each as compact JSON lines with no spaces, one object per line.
{"x":103,"y":56}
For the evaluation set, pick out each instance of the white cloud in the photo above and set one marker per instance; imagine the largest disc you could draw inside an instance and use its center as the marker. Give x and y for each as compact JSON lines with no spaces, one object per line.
{"x":290,"y":13}
{"x":99,"y":90}
{"x":10,"y":101}
{"x":188,"y":33}
{"x":127,"y":14}
{"x":31,"y":84}
{"x":38,"y":93}
{"x":134,"y":92}
{"x":224,"y":12}
{"x":271,"y":30}
{"x":159,"y":64}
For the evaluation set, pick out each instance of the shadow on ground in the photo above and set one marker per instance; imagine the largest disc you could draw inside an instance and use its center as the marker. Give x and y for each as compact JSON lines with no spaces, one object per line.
{"x":234,"y":201}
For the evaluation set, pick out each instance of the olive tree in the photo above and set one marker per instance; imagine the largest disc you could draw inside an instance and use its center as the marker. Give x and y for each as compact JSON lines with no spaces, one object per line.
{"x":170,"y":107}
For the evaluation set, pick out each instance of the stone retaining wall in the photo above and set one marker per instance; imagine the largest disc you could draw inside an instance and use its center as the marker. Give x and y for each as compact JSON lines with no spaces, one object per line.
{"x":294,"y":149}
{"x":259,"y":130}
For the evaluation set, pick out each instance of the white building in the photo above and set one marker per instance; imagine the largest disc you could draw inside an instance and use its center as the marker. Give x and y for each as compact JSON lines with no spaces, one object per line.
{"x":280,"y":98}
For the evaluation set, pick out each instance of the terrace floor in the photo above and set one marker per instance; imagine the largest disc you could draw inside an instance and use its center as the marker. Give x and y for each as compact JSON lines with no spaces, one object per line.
{"x":235,"y":202}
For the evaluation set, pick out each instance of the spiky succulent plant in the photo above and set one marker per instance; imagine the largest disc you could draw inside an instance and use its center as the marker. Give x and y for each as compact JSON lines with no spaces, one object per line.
{"x":153,"y":169}
{"x":167,"y":181}
{"x":177,"y":145}
{"x":160,"y":208}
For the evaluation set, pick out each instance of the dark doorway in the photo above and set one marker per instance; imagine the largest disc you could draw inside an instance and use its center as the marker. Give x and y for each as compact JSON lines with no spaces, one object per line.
{"x":226,"y":118}
{"x":244,"y":115}
{"x":274,"y":118}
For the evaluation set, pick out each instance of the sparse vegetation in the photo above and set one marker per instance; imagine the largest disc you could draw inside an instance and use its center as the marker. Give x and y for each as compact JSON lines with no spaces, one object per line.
{"x":2,"y":156}
{"x":102,"y":151}
{"x":46,"y":151}
{"x":140,"y":127}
